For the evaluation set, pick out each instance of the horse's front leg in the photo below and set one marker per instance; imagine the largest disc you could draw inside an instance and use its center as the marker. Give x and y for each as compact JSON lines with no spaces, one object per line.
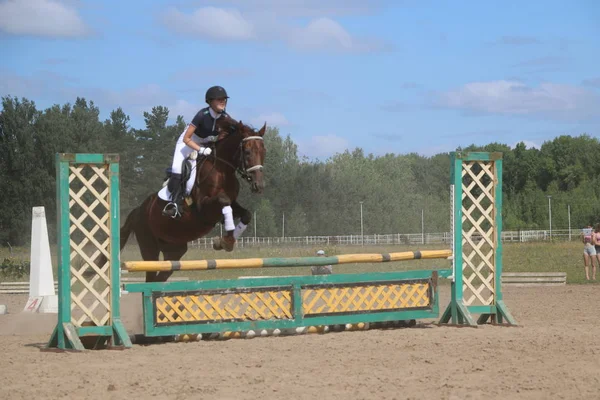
{"x":228,"y":240}
{"x":245,"y":217}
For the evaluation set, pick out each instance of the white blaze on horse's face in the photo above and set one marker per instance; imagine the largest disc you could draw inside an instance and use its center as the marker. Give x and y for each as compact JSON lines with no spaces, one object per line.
{"x":254,"y":158}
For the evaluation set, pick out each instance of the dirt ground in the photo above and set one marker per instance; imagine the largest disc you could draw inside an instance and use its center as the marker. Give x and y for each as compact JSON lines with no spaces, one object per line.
{"x":555,"y":353}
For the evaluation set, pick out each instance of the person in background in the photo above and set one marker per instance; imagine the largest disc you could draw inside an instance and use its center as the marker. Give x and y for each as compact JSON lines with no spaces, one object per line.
{"x":321,"y":269}
{"x":596,"y":243}
{"x":589,"y":252}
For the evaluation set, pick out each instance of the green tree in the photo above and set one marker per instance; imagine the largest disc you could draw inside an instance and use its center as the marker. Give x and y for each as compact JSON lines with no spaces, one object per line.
{"x":296,"y":223}
{"x":265,"y":219}
{"x":20,"y":174}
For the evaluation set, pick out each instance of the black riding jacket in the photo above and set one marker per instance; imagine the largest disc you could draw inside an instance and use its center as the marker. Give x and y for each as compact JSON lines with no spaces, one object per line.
{"x":205,"y":123}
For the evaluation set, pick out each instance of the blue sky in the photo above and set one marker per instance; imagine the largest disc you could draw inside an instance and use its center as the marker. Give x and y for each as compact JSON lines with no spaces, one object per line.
{"x":388,"y":76}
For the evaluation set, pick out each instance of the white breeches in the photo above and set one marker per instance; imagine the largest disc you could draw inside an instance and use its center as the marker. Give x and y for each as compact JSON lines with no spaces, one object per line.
{"x":182,"y":151}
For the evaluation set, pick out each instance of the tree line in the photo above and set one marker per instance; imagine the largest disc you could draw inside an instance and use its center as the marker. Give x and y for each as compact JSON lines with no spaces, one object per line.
{"x":314,"y":197}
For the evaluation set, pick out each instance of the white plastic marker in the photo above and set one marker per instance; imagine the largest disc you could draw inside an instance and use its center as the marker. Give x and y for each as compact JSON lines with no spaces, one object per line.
{"x":42,"y":298}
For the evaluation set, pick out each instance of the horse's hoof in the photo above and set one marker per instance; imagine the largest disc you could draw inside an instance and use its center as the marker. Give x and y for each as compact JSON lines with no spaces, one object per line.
{"x":227,"y":243}
{"x":217,"y":244}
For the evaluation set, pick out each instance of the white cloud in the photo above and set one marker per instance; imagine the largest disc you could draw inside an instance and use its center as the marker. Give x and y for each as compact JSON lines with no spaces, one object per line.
{"x":137,"y":99}
{"x":322,"y":34}
{"x":143,"y":98}
{"x":39,"y":84}
{"x":594,"y":82}
{"x":264,"y":26}
{"x":45,"y":87}
{"x":303,"y":8}
{"x":511,"y":97}
{"x":432,"y":150}
{"x":41,"y":18}
{"x":210,"y":22}
{"x":184,"y":108}
{"x":49,"y":88}
{"x":272,"y":119}
{"x":58,"y":89}
{"x":322,"y":146}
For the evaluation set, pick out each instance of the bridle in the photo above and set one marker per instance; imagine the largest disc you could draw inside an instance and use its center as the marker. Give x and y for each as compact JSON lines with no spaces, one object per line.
{"x":242,"y":169}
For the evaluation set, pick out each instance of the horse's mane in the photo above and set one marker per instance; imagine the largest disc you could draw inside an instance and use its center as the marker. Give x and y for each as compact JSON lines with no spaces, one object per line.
{"x":230,"y":125}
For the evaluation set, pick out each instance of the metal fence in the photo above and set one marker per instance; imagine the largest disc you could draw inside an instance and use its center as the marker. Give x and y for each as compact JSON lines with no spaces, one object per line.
{"x":388,"y":239}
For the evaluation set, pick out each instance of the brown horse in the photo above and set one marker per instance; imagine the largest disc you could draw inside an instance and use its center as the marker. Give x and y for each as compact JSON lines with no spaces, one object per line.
{"x":238,"y":148}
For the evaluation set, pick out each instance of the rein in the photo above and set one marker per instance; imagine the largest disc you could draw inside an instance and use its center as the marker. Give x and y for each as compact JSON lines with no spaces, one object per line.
{"x":241,"y":169}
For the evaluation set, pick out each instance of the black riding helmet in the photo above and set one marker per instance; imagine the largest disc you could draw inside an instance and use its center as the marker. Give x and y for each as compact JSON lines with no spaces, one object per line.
{"x":215,"y":92}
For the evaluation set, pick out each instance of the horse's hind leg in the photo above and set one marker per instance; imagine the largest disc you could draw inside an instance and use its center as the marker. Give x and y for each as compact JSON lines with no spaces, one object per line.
{"x":171,"y":252}
{"x":149,"y":249}
{"x":150,"y":254}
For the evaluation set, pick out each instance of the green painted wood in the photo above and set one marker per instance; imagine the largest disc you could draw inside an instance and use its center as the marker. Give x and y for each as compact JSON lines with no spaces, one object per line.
{"x":498,"y":221}
{"x":175,"y":286}
{"x":94,"y":330}
{"x":194,"y":328}
{"x":148,"y":311}
{"x":295,"y":284}
{"x":504,"y":313}
{"x":444,"y":273}
{"x":457,"y":312}
{"x":87,"y":158}
{"x":66,"y":335}
{"x":59,"y":337}
{"x":72,"y":338}
{"x":477,"y":156}
{"x":297,"y":306}
{"x":482,"y":309}
{"x":119,"y":334}
{"x":452,"y":312}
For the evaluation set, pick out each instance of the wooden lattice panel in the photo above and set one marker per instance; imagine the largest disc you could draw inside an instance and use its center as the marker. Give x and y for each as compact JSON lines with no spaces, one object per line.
{"x":90,"y":241}
{"x":224,"y":306}
{"x":478,"y":232}
{"x":354,"y":298}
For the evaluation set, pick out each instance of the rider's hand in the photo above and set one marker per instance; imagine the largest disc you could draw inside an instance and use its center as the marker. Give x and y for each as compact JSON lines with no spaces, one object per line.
{"x":205,"y":151}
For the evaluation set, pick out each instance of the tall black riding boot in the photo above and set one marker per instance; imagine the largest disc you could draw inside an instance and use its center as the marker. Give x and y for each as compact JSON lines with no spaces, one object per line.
{"x":173,"y":209}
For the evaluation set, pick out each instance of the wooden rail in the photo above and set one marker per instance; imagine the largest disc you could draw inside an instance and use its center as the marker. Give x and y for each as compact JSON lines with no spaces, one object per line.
{"x":525,"y":279}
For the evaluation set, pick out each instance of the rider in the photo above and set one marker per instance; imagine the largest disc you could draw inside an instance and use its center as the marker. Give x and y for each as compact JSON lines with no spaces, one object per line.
{"x":198,"y":133}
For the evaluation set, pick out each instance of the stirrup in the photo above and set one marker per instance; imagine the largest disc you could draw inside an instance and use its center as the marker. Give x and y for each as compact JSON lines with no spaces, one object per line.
{"x":167,"y":211}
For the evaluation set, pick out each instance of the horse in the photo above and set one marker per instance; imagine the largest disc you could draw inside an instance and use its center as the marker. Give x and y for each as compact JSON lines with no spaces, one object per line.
{"x":238,"y":149}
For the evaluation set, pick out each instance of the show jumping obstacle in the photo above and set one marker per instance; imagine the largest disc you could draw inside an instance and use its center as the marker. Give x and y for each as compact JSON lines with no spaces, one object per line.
{"x":89,"y":294}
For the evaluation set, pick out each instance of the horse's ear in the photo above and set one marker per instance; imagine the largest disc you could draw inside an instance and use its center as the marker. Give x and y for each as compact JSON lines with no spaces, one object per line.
{"x":262,"y":130}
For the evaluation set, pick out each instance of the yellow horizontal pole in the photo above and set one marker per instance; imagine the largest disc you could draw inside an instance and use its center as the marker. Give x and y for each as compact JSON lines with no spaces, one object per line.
{"x":198,"y":265}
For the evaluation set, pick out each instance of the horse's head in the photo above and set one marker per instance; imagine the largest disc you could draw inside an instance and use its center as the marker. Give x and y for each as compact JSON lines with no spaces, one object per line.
{"x":250,"y":155}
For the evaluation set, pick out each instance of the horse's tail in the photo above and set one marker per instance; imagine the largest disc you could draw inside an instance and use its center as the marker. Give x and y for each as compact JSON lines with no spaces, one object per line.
{"x":129,"y":225}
